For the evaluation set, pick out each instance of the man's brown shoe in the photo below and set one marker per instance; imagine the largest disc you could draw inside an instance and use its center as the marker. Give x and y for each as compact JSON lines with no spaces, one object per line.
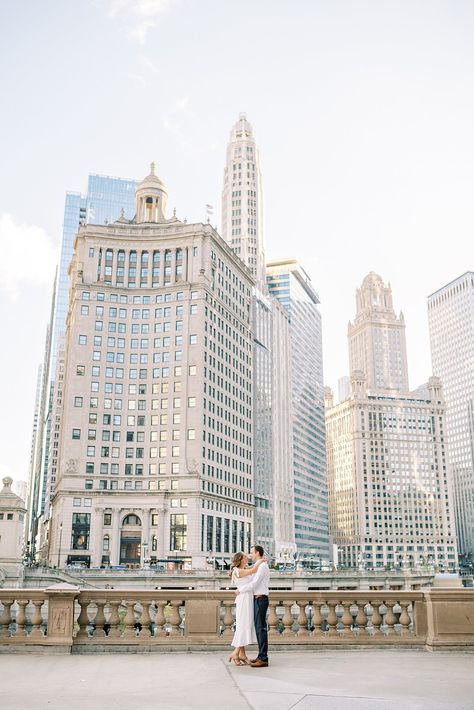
{"x":258,"y":663}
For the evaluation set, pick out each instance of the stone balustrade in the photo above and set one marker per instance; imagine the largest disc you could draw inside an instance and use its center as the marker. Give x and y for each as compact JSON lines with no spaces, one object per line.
{"x":65,"y":618}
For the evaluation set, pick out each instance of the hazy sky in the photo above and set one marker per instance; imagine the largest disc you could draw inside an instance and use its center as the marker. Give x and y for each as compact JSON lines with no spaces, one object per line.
{"x":364,"y":112}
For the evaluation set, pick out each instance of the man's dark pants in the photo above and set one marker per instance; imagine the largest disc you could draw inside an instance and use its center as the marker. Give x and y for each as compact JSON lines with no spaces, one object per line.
{"x":260,"y":607}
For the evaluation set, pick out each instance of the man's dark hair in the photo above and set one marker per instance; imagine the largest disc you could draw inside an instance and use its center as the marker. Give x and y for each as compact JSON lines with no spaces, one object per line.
{"x":259,"y":549}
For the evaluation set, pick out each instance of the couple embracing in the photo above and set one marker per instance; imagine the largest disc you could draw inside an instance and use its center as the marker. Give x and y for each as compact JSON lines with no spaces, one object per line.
{"x":250,"y":607}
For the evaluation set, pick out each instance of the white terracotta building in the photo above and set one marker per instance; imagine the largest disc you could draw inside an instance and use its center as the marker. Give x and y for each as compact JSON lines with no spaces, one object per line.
{"x":154,"y":454}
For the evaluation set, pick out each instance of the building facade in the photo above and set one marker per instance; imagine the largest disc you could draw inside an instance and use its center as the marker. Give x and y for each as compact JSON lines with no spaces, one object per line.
{"x":389,"y":487}
{"x":104,"y":201}
{"x":377,"y":344}
{"x":289,"y":284}
{"x":155,"y":440}
{"x":242,"y":229}
{"x":242,"y":199}
{"x":451,"y":326}
{"x":390,"y":499}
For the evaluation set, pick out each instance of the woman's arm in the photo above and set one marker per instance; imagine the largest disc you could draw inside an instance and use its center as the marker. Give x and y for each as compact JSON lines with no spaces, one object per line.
{"x":251,"y":570}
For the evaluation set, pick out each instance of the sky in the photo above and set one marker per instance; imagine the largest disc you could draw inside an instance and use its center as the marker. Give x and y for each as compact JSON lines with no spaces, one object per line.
{"x":364,"y":113}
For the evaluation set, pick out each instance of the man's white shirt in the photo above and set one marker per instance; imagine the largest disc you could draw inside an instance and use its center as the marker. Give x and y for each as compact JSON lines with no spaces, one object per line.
{"x":259,"y":582}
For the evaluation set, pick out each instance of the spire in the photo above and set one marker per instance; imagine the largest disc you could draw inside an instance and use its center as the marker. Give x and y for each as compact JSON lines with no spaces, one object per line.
{"x":242,"y":199}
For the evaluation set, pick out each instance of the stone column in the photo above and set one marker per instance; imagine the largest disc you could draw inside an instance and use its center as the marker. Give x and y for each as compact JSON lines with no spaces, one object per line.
{"x":115,"y":538}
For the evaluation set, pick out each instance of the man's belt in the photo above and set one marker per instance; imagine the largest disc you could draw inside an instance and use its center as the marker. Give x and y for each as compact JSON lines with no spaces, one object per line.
{"x":260,"y":596}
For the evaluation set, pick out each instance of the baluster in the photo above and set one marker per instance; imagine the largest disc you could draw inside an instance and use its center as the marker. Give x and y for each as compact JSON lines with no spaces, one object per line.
{"x":228,"y":620}
{"x":324,"y":617}
{"x":160,"y":619}
{"x":145,"y":621}
{"x":21,"y":617}
{"x":36,"y":619}
{"x":383,"y":624}
{"x":332,"y":619}
{"x":347,"y":617}
{"x":339,"y":611}
{"x":175,"y":618}
{"x":287,"y":619}
{"x":302,"y":619}
{"x":5,"y":619}
{"x":83,"y":620}
{"x":361,"y":618}
{"x":114,"y":621}
{"x":273,"y":620}
{"x":376,"y":618}
{"x":369,"y":611}
{"x":389,"y":617}
{"x":404,"y":619}
{"x":317,"y":618}
{"x":99,"y":619}
{"x":129,"y":620}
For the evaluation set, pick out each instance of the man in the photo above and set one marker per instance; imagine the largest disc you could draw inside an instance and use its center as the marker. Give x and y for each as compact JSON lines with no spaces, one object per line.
{"x":259,"y":586}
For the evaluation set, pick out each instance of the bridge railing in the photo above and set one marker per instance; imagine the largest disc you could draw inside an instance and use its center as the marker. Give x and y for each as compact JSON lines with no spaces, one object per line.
{"x":67,"y":618}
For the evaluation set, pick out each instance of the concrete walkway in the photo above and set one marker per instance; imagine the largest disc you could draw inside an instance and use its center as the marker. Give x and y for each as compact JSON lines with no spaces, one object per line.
{"x":322,"y":680}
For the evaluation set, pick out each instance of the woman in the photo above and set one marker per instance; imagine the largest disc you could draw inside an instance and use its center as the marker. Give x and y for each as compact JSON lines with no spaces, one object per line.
{"x":244,"y":621}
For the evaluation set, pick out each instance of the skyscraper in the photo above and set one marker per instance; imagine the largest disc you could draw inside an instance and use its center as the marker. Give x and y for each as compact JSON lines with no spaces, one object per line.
{"x":155,"y":419}
{"x":242,"y":229}
{"x":451,"y":325}
{"x":106,"y":197}
{"x":377,"y":338}
{"x":389,"y":488}
{"x":242,"y":199}
{"x":290,"y":285}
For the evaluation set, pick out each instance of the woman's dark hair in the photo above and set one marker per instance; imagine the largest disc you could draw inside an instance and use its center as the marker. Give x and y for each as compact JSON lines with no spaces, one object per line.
{"x":236,"y":560}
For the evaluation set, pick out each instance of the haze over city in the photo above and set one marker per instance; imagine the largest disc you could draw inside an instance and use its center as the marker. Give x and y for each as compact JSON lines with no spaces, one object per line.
{"x":363,"y":113}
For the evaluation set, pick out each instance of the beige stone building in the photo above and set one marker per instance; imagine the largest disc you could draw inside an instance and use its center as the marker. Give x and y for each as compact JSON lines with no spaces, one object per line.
{"x":154,"y":448}
{"x":390,"y":496}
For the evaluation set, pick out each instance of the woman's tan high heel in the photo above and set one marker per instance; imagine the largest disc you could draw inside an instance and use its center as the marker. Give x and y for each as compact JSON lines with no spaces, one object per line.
{"x":236,"y":660}
{"x":244,"y":661}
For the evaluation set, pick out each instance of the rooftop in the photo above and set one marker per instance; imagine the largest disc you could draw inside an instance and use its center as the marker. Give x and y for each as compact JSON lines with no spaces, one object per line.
{"x":326,"y":680}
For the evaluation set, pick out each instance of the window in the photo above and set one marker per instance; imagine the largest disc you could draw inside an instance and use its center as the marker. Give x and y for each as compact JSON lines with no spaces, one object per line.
{"x":191,"y":434}
{"x":155,"y":519}
{"x":193,"y":339}
{"x":81,"y":370}
{"x":192,"y":369}
{"x":76,"y":502}
{"x":83,"y":340}
{"x":76,"y":433}
{"x":78,"y":401}
{"x":80,"y":531}
{"x":191,"y":401}
{"x":178,"y":532}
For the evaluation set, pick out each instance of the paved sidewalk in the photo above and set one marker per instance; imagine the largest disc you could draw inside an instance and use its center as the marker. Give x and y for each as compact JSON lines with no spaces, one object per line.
{"x":322,"y":680}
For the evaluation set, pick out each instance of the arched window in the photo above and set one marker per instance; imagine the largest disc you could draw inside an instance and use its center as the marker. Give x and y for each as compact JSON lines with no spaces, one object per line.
{"x":132,"y":519}
{"x":121,"y":255}
{"x":109,"y":255}
{"x":106,"y":543}
{"x":144,"y":256}
{"x":133,"y":257}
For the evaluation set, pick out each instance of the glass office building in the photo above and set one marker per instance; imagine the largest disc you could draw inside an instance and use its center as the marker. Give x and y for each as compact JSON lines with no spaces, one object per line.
{"x":291,"y":286}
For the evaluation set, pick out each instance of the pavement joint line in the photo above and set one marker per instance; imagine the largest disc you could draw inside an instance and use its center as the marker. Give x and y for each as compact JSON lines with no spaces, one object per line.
{"x":236,"y":686}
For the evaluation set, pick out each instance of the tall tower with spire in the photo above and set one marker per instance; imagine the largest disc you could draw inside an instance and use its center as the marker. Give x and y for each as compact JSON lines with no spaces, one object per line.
{"x":242,"y":199}
{"x":377,"y":344}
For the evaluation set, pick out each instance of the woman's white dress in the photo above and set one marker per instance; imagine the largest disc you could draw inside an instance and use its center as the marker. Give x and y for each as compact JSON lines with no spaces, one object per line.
{"x":244,"y":619}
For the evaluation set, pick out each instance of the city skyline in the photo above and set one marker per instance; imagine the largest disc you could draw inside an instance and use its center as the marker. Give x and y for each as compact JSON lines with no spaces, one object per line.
{"x":376,"y":192}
